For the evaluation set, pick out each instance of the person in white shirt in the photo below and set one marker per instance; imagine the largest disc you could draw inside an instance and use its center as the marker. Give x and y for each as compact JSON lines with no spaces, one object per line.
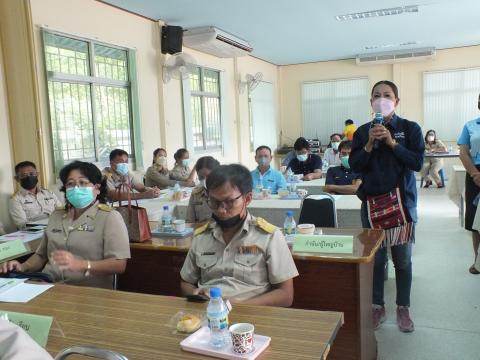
{"x":331,"y":156}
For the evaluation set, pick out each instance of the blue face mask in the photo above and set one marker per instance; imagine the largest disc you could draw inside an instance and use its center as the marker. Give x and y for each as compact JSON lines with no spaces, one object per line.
{"x":302,"y":157}
{"x":185,"y":162}
{"x":344,"y":161}
{"x":122,"y":168}
{"x":80,"y":197}
{"x":263,"y":161}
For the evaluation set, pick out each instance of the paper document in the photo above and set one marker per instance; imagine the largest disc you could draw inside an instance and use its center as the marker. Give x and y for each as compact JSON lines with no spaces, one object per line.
{"x":16,"y":290}
{"x":25,"y":235}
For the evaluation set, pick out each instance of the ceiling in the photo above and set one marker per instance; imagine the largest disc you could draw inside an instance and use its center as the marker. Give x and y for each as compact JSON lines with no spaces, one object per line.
{"x":291,"y":32}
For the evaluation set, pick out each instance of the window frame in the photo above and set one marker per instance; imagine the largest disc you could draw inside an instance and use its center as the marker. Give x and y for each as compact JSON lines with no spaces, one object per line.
{"x":93,"y":80}
{"x":187,"y":93}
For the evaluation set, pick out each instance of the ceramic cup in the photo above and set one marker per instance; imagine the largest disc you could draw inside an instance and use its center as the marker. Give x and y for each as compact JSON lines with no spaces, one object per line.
{"x":179,"y":225}
{"x":242,"y":337}
{"x":306,"y":229}
{"x":302,"y":193}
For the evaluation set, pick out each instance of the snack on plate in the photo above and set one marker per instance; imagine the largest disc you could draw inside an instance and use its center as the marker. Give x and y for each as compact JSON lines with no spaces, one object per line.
{"x":188,"y":323}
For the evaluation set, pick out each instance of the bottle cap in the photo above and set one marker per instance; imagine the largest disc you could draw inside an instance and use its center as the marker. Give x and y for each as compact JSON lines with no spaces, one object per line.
{"x":289,"y":213}
{"x":165,"y":207}
{"x":215,"y":292}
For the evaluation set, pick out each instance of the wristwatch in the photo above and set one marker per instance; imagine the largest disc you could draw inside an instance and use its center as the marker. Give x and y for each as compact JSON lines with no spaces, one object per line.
{"x":89,"y":267}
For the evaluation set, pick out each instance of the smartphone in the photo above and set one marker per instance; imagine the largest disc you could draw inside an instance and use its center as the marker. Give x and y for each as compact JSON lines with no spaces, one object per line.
{"x":197,"y":298}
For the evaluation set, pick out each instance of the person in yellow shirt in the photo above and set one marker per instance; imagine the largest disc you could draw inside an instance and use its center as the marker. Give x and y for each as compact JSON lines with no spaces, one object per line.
{"x":349,"y":129}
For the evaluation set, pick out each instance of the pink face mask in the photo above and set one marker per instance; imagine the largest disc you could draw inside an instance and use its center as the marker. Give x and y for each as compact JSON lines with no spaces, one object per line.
{"x":383,"y":105}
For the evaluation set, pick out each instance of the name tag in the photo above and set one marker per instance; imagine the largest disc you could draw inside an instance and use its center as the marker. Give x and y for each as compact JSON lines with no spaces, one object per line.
{"x":399,"y":135}
{"x":56,"y":230}
{"x":209,"y":253}
{"x":252,"y":249}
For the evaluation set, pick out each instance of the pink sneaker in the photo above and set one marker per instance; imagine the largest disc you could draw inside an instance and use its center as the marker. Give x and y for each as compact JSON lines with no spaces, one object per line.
{"x":405,"y":324}
{"x":378,"y":316}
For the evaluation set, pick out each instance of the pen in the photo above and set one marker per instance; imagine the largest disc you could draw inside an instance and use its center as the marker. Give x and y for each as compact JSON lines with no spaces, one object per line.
{"x":7,"y":283}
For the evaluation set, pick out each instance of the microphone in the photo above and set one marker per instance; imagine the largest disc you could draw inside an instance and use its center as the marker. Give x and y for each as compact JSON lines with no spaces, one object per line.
{"x":377,"y":120}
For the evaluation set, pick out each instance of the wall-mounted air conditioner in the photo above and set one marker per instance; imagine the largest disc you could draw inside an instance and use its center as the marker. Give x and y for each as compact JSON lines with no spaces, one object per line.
{"x":214,"y":41}
{"x":390,"y":57}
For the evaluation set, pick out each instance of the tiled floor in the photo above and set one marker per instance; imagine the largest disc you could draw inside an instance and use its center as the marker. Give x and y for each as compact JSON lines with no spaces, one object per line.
{"x":445,"y":301}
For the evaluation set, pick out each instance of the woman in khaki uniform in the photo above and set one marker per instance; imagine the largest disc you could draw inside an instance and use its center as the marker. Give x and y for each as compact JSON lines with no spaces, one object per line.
{"x":198,"y":209}
{"x":181,"y":171}
{"x":431,"y":166}
{"x":85,"y":243}
{"x":158,"y":174}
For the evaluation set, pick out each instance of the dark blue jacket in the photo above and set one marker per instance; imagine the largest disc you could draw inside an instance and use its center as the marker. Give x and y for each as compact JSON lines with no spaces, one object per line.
{"x":384,"y":168}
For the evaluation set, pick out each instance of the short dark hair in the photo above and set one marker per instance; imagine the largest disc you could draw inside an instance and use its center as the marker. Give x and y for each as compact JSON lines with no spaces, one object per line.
{"x":117,"y":152}
{"x":262,"y":147}
{"x":301,"y":143}
{"x":179,"y":153}
{"x":349,"y":122}
{"x":335,"y":134}
{"x":91,"y":172}
{"x":236,"y":174}
{"x":389,"y":83}
{"x":347,"y":144}
{"x":24,"y":164}
{"x":206,"y":162}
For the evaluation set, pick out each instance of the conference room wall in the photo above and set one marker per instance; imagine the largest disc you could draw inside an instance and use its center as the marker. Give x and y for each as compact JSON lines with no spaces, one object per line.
{"x":161,"y":109}
{"x":408,"y":76}
{"x":7,"y":183}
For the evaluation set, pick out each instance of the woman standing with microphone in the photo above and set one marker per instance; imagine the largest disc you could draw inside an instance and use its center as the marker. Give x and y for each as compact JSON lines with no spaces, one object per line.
{"x":387,"y":154}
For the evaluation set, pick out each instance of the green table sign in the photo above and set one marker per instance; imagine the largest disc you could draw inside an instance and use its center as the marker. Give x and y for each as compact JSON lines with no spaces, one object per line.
{"x":11,"y":249}
{"x":37,"y":326}
{"x":318,"y":244}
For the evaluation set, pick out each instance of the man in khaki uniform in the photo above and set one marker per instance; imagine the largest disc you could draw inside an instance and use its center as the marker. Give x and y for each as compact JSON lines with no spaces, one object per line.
{"x":246,"y":257}
{"x":198,"y":209}
{"x":16,"y":344}
{"x":30,"y":202}
{"x":119,"y":177}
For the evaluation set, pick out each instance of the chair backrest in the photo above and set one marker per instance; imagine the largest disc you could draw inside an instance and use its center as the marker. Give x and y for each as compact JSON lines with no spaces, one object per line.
{"x":319,"y":210}
{"x":90,"y":351}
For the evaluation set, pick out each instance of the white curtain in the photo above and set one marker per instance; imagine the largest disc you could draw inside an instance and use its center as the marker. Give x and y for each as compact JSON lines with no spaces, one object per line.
{"x":327,"y":104}
{"x":264,"y":122}
{"x":450,"y":100}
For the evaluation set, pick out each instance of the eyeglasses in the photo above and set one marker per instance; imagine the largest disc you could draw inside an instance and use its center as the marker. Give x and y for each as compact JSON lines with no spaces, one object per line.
{"x":81,"y":183}
{"x":25,"y":175}
{"x":227,"y":204}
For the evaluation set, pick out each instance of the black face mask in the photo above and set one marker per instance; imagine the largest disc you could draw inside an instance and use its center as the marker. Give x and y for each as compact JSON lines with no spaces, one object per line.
{"x":228,"y":223}
{"x":29,"y":182}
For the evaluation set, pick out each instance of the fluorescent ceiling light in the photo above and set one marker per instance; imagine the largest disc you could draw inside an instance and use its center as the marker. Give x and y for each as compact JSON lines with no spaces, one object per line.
{"x":381,"y":12}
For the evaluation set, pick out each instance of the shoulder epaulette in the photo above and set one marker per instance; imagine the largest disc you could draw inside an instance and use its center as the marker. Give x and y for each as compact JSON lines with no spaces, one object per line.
{"x":105,"y":207}
{"x":265,"y":225}
{"x":201,"y":229}
{"x":197,"y":190}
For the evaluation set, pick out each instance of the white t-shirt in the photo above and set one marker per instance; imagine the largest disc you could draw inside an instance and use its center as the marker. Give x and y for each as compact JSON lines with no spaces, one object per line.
{"x":331,"y":158}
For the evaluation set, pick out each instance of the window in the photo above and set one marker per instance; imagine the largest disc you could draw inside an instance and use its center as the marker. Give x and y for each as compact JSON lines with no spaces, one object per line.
{"x":205,"y":111}
{"x":327,"y":104}
{"x":89,"y":99}
{"x":263,"y":122}
{"x":450,"y":100}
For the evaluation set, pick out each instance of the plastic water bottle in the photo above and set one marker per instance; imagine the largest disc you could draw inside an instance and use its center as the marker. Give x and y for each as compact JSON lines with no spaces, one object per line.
{"x":289,"y":175}
{"x":217,"y":315}
{"x":324,"y":167}
{"x":166,"y":219}
{"x":450,"y":149}
{"x":289,"y":227}
{"x":377,"y":120}
{"x":177,"y":187}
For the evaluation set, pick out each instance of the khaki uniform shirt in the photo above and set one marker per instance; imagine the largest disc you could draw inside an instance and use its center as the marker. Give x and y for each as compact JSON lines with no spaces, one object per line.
{"x":114,"y":179}
{"x":16,"y":344}
{"x":25,"y":206}
{"x":99,"y":233}
{"x":198,"y":210}
{"x":253,"y":260}
{"x":180,"y":173}
{"x":160,"y":179}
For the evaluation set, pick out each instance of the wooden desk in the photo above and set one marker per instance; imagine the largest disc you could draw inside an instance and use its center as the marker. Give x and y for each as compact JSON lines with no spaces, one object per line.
{"x":135,"y":324}
{"x":332,"y":282}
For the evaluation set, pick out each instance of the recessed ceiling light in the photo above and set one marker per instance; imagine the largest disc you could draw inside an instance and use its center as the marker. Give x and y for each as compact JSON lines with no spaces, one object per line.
{"x":381,"y":12}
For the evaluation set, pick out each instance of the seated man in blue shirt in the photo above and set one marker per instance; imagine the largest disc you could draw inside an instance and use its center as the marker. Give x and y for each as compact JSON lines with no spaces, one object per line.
{"x":264,"y":174}
{"x":310,"y":165}
{"x":341,"y":179}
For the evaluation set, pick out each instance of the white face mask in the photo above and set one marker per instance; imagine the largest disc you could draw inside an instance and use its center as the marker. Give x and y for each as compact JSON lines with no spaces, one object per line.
{"x":335,"y":145}
{"x":161,"y":160}
{"x":430,"y":138}
{"x":203,"y":183}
